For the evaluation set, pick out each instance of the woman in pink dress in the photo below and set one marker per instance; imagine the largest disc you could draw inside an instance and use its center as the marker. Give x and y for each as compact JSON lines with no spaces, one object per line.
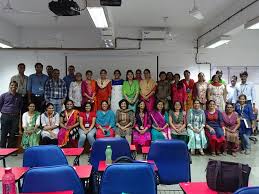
{"x":178,"y":91}
{"x":141,"y":133}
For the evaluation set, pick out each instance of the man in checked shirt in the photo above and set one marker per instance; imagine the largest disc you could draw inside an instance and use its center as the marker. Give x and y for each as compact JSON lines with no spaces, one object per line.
{"x":55,"y":91}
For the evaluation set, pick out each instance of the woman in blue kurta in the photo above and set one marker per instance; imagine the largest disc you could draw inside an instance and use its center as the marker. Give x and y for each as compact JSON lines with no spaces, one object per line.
{"x":247,"y":118}
{"x":105,"y":121}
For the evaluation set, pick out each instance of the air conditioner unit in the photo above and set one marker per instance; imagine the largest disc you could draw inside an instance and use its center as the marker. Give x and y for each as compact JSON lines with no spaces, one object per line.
{"x":153,"y":34}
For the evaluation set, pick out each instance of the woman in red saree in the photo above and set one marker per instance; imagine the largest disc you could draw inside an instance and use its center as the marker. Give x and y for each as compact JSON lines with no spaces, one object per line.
{"x":88,"y":88}
{"x":103,"y":89}
{"x":69,"y":123}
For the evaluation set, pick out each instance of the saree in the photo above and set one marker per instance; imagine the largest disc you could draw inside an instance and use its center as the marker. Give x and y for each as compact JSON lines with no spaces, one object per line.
{"x":146,"y":87}
{"x":160,"y":120}
{"x":142,"y":122}
{"x":189,"y":91}
{"x":64,"y":134}
{"x":103,"y":91}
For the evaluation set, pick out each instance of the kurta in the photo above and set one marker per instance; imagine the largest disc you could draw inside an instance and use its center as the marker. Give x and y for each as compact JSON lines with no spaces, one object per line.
{"x":230,"y":121}
{"x":116,"y":94}
{"x":163,"y":92}
{"x":75,"y":93}
{"x":103,"y":92}
{"x":189,"y":91}
{"x":200,"y":93}
{"x":159,"y":120}
{"x":217,"y":94}
{"x":146,"y":87}
{"x":124,"y":117}
{"x":28,"y":124}
{"x":196,"y":120}
{"x":105,"y":119}
{"x":130,"y":90}
{"x":90,"y":89}
{"x":178,"y":122}
{"x":178,"y":94}
{"x":142,"y":122}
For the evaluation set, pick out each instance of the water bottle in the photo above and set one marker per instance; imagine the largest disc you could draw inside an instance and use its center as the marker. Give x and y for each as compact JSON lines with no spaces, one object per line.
{"x":108,"y":154}
{"x":8,"y":182}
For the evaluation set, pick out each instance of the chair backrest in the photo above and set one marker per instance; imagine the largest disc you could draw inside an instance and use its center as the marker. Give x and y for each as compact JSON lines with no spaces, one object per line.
{"x":45,"y":155}
{"x":120,"y":147}
{"x":248,"y":190}
{"x":172,"y":160}
{"x":52,"y":178}
{"x":133,"y":178}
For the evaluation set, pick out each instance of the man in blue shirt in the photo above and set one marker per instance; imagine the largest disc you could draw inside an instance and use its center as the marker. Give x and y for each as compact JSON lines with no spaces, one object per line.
{"x":35,"y":87}
{"x":70,"y":77}
{"x":10,"y":107}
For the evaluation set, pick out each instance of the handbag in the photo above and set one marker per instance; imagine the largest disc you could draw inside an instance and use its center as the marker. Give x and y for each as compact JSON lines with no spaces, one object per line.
{"x":225,"y":176}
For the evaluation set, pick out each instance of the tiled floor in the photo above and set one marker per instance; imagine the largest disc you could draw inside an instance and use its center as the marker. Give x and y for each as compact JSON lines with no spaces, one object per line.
{"x":197,"y":168}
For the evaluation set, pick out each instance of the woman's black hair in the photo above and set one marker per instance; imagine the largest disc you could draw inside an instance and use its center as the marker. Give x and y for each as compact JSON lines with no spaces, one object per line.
{"x":123,"y":100}
{"x":138,"y":109}
{"x":103,"y":102}
{"x":117,"y":70}
{"x":173,"y":108}
{"x":88,"y":103}
{"x":49,"y":104}
{"x":129,"y":71}
{"x":163,"y":110}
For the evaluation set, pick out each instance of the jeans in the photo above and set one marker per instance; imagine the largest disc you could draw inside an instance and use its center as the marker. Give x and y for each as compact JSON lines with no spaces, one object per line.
{"x":9,"y":125}
{"x":82,"y":137}
{"x":245,"y":141}
{"x":57,"y":105}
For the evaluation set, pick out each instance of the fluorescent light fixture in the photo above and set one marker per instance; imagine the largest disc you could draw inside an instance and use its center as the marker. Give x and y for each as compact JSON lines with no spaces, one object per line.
{"x":98,"y":17}
{"x":253,"y":24}
{"x":196,"y":13}
{"x":5,"y":44}
{"x":218,"y":42}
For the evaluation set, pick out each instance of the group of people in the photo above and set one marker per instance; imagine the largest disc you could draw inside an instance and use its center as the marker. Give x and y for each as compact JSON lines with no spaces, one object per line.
{"x":202,"y":114}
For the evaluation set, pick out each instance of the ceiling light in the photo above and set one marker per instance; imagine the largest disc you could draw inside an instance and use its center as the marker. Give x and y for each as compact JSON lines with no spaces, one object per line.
{"x":5,"y":44}
{"x":253,"y":24}
{"x":98,"y":17}
{"x":195,"y":12}
{"x":218,"y":42}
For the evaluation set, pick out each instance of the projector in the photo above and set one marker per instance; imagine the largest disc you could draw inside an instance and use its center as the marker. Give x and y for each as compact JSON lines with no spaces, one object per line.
{"x":110,"y":2}
{"x":64,"y":8}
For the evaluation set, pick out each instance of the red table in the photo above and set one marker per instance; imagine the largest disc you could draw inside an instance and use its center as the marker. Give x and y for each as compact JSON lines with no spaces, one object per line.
{"x":145,"y":150}
{"x":83,"y":171}
{"x":102,"y":165}
{"x":4,"y":152}
{"x":73,"y":152}
{"x":196,"y":188}
{"x":57,"y":192}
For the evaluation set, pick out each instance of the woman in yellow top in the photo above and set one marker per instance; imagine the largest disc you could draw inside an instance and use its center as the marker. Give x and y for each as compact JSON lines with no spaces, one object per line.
{"x":147,"y":90}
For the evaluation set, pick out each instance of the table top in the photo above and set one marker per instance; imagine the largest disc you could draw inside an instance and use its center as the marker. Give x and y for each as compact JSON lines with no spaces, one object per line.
{"x":132,"y":148}
{"x":17,"y":171}
{"x":57,"y":192}
{"x":72,"y":151}
{"x":7,"y":151}
{"x":145,"y":149}
{"x":197,"y":188}
{"x":83,"y":171}
{"x":102,"y":165}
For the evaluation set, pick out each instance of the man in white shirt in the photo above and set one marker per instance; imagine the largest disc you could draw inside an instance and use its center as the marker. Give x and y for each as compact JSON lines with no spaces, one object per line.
{"x":232,"y":90}
{"x":246,"y":88}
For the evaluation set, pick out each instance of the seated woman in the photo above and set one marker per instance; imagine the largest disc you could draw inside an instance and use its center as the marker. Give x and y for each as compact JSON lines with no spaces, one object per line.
{"x":160,"y":128}
{"x":247,"y":123}
{"x":105,"y":121}
{"x":68,"y":132}
{"x":50,"y":123}
{"x":124,"y":120}
{"x":232,"y":124}
{"x":30,"y":124}
{"x":87,"y":125}
{"x":215,"y":129}
{"x":141,"y":133}
{"x":195,"y":127}
{"x":177,"y":121}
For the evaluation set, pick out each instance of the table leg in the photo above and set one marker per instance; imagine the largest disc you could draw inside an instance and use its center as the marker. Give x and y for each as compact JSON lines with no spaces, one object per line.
{"x":4,"y":164}
{"x":19,"y":186}
{"x":76,"y":161}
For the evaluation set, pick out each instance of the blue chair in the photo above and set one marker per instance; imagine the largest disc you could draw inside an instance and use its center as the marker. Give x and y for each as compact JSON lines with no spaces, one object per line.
{"x":248,"y":190}
{"x":120,"y":147}
{"x":51,"y":179}
{"x":172,"y":160}
{"x":45,"y":155}
{"x":133,"y":178}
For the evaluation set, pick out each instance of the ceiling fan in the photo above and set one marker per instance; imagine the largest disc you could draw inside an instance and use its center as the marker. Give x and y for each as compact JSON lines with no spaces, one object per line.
{"x":8,"y":8}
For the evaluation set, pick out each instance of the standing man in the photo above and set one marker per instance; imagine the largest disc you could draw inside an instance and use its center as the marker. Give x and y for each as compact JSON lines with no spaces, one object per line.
{"x":35,"y":87}
{"x":246,"y":88}
{"x":22,"y":80}
{"x":56,"y":91}
{"x":49,"y":70}
{"x":10,"y":107}
{"x":232,"y":90}
{"x":70,"y":77}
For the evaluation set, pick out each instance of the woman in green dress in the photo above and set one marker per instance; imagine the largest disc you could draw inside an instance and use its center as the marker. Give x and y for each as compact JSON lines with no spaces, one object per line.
{"x":30,"y":124}
{"x":195,"y":127}
{"x":130,"y":90}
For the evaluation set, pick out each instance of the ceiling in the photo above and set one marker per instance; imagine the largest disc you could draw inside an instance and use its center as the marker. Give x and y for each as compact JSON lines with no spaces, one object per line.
{"x":132,"y":13}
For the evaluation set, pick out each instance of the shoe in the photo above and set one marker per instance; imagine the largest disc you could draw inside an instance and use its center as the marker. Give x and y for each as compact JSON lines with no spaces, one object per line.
{"x":242,"y":151}
{"x":234,"y":154}
{"x":219,"y":153}
{"x":247,"y":152}
{"x":213,"y":154}
{"x":201,"y":152}
{"x":224,"y":153}
{"x":193,"y":152}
